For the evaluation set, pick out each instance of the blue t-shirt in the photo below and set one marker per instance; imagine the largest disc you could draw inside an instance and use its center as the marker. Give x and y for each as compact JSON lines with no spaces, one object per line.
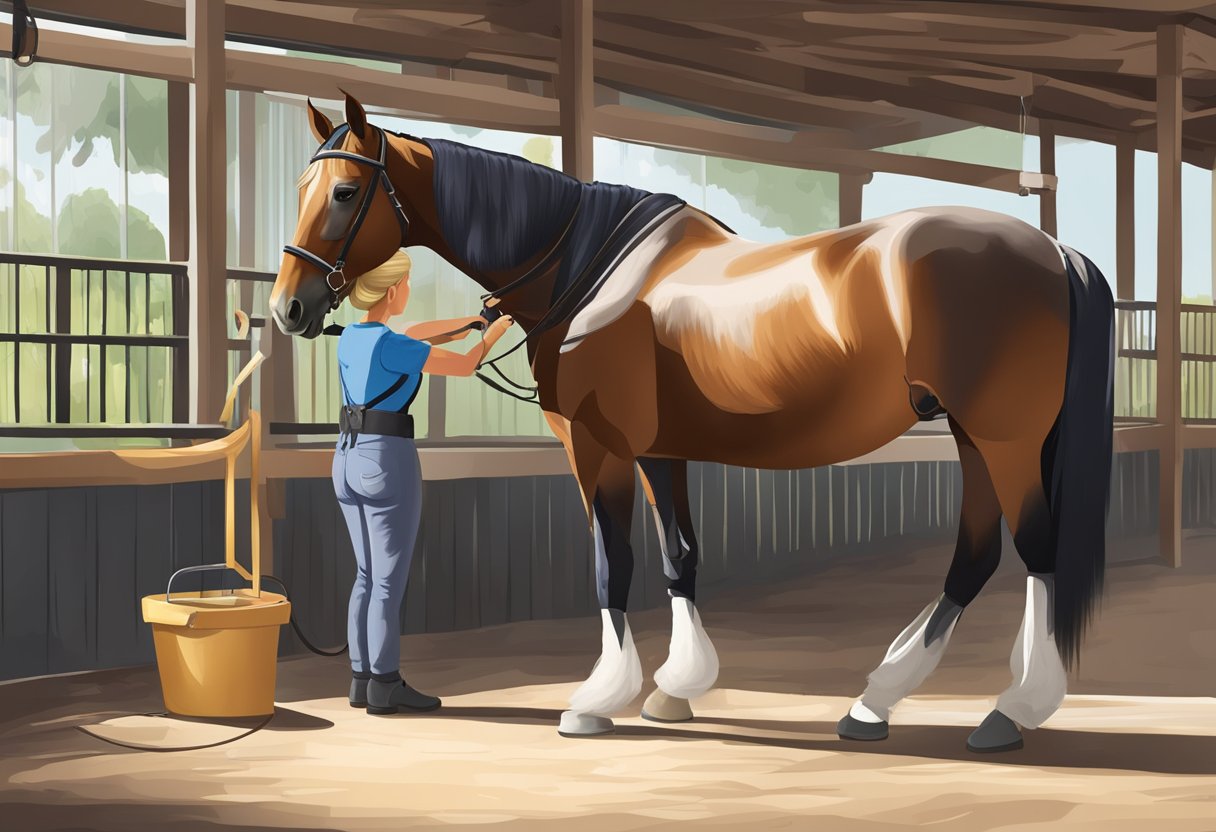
{"x":371,"y":357}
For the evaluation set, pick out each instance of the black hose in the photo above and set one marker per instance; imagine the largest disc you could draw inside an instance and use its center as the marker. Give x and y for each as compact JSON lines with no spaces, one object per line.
{"x":300,"y":633}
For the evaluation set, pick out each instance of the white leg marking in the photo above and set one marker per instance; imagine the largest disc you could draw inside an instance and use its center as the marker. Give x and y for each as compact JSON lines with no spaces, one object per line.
{"x":1039,"y":679}
{"x":907,"y":664}
{"x":616,"y":678}
{"x":692,"y":663}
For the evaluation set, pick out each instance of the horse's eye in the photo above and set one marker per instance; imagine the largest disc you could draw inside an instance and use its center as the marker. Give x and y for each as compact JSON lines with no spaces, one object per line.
{"x":345,"y":194}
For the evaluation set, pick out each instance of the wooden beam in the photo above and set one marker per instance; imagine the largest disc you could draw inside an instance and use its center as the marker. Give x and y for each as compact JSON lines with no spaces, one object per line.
{"x":1125,"y":219}
{"x":435,"y":99}
{"x":1169,"y":287}
{"x":737,"y":142}
{"x":246,"y":159}
{"x":179,"y":170}
{"x":850,"y":187}
{"x":577,"y":89}
{"x":1047,"y":199}
{"x":208,"y":209}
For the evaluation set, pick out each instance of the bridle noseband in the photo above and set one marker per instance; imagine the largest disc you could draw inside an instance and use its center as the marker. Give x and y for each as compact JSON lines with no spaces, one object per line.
{"x":329,"y":150}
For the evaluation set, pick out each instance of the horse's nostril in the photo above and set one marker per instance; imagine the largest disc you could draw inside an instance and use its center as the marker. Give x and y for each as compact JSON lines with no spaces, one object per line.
{"x":295,"y":312}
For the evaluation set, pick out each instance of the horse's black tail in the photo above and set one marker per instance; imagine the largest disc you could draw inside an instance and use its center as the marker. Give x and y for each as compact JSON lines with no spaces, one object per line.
{"x":1077,"y":456}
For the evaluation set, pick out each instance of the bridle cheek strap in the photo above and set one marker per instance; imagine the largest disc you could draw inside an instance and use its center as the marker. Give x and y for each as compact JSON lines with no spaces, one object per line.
{"x":328,"y":151}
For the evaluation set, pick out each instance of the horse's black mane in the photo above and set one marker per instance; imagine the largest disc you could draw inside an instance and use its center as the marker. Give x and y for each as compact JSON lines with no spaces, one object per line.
{"x":497,"y":211}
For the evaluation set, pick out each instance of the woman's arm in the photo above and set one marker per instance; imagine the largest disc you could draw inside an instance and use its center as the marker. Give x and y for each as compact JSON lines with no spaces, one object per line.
{"x":448,"y":363}
{"x":441,"y":332}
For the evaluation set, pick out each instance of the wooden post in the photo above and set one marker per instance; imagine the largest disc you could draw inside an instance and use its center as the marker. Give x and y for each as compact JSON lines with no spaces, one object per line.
{"x":246,"y":156}
{"x":208,"y":210}
{"x":1047,"y":199}
{"x":1169,"y":286}
{"x":577,"y":89}
{"x":1125,"y":219}
{"x":849,"y":196}
{"x":179,"y":172}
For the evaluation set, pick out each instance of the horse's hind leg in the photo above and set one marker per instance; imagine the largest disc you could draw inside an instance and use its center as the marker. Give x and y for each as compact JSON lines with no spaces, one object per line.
{"x":607,"y":482}
{"x":918,"y":649}
{"x":1039,"y":678}
{"x":692,"y":663}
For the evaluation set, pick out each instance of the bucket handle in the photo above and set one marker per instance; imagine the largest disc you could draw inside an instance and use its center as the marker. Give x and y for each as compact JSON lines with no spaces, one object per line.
{"x":206,"y":567}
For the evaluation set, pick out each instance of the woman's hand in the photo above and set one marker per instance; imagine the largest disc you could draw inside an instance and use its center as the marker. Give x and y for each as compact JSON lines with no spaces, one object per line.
{"x":444,"y":363}
{"x":496,"y":330}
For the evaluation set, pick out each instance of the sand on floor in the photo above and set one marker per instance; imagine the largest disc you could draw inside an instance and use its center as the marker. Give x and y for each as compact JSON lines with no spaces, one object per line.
{"x":1133,"y":748}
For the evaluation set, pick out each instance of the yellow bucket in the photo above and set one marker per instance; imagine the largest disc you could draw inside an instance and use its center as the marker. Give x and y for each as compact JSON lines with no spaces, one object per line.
{"x":217,"y":650}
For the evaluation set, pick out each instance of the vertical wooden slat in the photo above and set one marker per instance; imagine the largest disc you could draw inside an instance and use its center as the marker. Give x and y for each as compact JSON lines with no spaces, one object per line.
{"x":118,"y":616}
{"x":438,"y":529}
{"x":465,"y":607}
{"x":576,"y":88}
{"x":1047,"y":165}
{"x":179,"y":170}
{"x":24,"y":547}
{"x":153,"y":553}
{"x":208,"y":208}
{"x":542,"y":552}
{"x":63,"y":352}
{"x":519,"y":539}
{"x":1169,"y":286}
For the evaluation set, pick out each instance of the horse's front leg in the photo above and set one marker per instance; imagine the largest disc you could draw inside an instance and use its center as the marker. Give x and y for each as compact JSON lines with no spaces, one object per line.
{"x":607,"y":484}
{"x":692,"y":663}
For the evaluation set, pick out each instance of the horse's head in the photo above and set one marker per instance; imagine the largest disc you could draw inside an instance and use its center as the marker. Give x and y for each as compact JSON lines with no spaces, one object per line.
{"x":350,"y":221}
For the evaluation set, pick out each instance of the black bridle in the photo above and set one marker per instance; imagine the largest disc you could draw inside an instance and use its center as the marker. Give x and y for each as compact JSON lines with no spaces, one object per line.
{"x":329,"y":150}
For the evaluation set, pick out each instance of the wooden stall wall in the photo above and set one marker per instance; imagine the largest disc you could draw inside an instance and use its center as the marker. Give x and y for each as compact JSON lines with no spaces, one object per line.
{"x":74,"y":562}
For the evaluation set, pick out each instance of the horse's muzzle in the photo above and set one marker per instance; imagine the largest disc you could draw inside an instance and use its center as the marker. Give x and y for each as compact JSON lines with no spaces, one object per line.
{"x":303,"y":313}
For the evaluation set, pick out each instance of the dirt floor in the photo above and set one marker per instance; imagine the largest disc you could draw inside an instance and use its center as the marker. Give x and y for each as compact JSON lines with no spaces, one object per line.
{"x":1134,"y":747}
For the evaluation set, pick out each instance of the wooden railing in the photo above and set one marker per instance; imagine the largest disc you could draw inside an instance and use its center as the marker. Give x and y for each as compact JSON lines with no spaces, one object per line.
{"x":89,"y":344}
{"x":1136,"y":362}
{"x":85,"y":341}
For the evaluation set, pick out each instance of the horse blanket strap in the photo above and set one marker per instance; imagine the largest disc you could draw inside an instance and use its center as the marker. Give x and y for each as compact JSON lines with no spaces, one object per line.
{"x":354,"y":419}
{"x":555,"y":252}
{"x":335,"y":277}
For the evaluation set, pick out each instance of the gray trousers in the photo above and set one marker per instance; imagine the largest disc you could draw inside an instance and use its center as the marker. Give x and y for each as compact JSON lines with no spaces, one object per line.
{"x":379,"y":487}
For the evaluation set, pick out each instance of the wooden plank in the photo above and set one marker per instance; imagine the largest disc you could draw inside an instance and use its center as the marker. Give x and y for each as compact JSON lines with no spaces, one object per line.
{"x":1047,"y":199}
{"x":703,"y":135}
{"x":153,"y":553}
{"x":498,"y":515}
{"x":1169,"y":286}
{"x":467,"y":580}
{"x":737,"y":548}
{"x":208,"y":209}
{"x":118,"y":615}
{"x":1125,"y":221}
{"x":576,"y":87}
{"x":414,"y":610}
{"x":563,"y":524}
{"x":542,"y":551}
{"x":850,"y":187}
{"x":520,"y":502}
{"x":71,"y":573}
{"x":24,"y":547}
{"x":179,"y":170}
{"x":331,"y":614}
{"x":437,"y":530}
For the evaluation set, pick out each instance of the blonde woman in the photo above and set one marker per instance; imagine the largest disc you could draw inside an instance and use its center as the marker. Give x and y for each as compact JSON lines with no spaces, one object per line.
{"x":376,"y":473}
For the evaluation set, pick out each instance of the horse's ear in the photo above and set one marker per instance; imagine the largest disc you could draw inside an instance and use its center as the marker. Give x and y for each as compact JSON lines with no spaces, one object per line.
{"x":356,"y":118}
{"x":322,"y":127}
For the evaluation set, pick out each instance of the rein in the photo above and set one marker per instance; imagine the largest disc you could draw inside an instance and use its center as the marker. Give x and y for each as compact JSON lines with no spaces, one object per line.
{"x":328,"y":151}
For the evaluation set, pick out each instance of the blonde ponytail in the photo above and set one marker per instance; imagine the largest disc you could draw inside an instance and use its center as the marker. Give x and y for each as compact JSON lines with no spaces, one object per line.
{"x":373,"y":285}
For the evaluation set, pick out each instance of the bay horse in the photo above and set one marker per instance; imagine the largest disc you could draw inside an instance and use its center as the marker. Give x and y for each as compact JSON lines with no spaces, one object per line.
{"x":656,"y":336}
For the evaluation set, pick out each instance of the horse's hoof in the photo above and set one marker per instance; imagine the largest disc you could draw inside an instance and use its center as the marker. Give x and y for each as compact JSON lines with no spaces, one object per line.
{"x":996,"y":733}
{"x":851,"y":728}
{"x":660,"y":707}
{"x":575,"y":724}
